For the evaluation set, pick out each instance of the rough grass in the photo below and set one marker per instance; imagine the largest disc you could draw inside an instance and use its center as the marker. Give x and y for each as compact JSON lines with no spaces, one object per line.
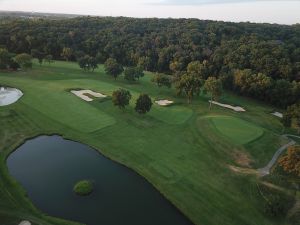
{"x":175,"y":148}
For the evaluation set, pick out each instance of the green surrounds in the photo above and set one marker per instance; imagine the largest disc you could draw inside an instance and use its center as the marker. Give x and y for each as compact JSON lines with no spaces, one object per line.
{"x":174,"y":114}
{"x":237,"y":130}
{"x":176,"y":148}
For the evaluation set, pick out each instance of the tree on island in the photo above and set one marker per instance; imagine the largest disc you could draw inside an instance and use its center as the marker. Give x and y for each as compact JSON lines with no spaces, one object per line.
{"x":162,"y":80}
{"x":24,"y":60}
{"x":143,"y":104}
{"x":121,"y":98}
{"x":214,"y":87}
{"x":113,"y":68}
{"x":190,"y":85}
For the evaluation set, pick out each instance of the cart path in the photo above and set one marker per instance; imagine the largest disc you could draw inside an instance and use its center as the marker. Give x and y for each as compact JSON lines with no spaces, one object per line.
{"x":266,"y":170}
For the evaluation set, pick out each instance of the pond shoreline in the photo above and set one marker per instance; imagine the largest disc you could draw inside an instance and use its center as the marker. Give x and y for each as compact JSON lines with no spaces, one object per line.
{"x":68,"y":138}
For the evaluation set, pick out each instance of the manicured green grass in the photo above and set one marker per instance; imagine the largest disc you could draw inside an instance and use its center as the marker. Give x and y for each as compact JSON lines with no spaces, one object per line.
{"x":173,"y":114}
{"x":237,"y":130}
{"x":175,"y":148}
{"x":83,"y":188}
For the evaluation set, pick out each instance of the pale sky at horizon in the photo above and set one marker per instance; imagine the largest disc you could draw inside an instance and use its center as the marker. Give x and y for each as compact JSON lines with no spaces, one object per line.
{"x":271,"y":11}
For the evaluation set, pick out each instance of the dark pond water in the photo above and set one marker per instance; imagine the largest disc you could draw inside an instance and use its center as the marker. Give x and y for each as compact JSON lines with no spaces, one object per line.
{"x":49,"y":166}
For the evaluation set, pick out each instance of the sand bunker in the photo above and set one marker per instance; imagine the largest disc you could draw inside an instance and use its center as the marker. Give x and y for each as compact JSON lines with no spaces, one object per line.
{"x":235,"y":108}
{"x":25,"y":222}
{"x":164,"y":102}
{"x":9,"y":96}
{"x":84,"y":95}
{"x":278,"y":114}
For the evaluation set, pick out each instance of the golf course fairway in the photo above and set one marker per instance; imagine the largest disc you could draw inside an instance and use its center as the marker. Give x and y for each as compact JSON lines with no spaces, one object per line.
{"x":181,"y":152}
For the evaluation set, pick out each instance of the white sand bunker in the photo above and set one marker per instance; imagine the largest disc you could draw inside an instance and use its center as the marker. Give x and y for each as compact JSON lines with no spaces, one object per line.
{"x":9,"y":96}
{"x":85,"y":95}
{"x":278,"y":114}
{"x":25,"y":222}
{"x":164,"y":102}
{"x":235,"y":108}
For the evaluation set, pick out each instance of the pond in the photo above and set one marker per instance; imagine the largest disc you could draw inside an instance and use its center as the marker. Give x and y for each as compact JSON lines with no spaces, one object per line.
{"x":49,"y":166}
{"x":9,"y":95}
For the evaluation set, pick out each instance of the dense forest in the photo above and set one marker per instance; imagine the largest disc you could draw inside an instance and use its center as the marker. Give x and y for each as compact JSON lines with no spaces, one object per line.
{"x":256,"y":60}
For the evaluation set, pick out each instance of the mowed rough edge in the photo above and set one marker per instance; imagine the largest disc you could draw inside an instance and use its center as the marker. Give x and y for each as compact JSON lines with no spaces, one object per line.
{"x":171,"y":114}
{"x":237,"y":130}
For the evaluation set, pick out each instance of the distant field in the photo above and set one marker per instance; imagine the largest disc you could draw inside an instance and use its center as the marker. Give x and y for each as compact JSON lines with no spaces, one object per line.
{"x":237,"y":130}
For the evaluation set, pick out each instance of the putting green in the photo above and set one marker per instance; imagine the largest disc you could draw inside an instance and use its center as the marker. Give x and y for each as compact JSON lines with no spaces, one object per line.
{"x":237,"y":130}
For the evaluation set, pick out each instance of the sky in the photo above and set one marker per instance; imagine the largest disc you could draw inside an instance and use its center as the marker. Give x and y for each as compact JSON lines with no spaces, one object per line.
{"x":270,"y":11}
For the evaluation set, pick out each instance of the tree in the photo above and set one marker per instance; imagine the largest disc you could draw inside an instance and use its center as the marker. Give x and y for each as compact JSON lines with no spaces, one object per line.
{"x":37,"y":54}
{"x":162,"y":80}
{"x":4,"y":58}
{"x":143,"y":104}
{"x":87,"y":63}
{"x":133,"y":73}
{"x":290,"y":162}
{"x":139,"y":72}
{"x":113,"y":68}
{"x":93,"y":63}
{"x":67,"y":53}
{"x":196,"y":68}
{"x":121,"y":98}
{"x":24,"y":60}
{"x":292,"y":114}
{"x":129,"y":74}
{"x":100,"y":58}
{"x":214,"y":87}
{"x":190,"y":85}
{"x":49,"y":59}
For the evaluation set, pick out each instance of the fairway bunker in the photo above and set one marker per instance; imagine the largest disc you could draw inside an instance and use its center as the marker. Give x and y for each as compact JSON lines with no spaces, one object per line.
{"x":235,"y":108}
{"x":87,"y":95}
{"x":25,"y":222}
{"x":9,"y":96}
{"x":164,"y":102}
{"x":277,"y":114}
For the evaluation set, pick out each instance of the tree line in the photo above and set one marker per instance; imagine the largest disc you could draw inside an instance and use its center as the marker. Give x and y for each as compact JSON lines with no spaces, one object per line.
{"x":257,"y":60}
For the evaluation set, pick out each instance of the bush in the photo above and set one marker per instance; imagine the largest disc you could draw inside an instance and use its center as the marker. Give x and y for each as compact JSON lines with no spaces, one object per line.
{"x":83,"y":188}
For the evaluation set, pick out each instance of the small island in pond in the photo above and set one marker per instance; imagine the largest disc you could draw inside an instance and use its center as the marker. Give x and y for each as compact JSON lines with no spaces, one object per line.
{"x":83,"y":188}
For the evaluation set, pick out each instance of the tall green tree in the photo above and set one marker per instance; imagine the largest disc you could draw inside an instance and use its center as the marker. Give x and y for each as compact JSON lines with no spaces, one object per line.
{"x":4,"y":58}
{"x":24,"y":60}
{"x":87,"y":63}
{"x":162,"y":80}
{"x":214,"y":87}
{"x":292,"y":114}
{"x":143,"y":104}
{"x":121,"y":98}
{"x":113,"y":68}
{"x":133,"y":73}
{"x":190,"y":85}
{"x":38,"y":55}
